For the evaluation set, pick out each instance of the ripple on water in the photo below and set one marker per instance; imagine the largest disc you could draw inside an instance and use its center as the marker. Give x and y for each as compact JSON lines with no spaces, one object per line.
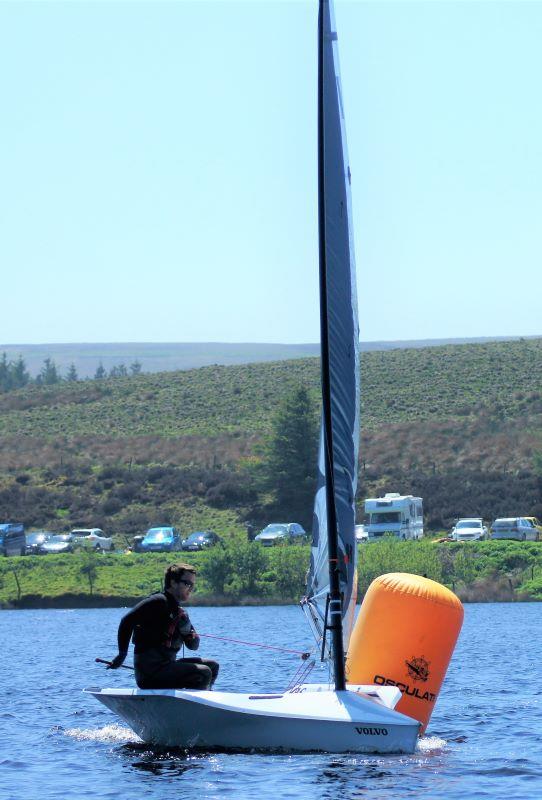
{"x":109,"y":734}
{"x":428,"y":744}
{"x":118,"y":734}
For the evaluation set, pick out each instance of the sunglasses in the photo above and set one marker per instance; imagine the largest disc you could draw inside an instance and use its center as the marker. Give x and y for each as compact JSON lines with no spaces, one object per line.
{"x":188,"y":584}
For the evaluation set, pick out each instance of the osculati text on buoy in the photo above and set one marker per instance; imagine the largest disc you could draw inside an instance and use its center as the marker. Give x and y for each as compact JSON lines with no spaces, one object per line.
{"x":412,"y":691}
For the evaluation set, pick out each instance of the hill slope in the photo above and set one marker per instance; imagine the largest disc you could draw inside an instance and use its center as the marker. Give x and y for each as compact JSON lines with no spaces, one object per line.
{"x":458,"y":424}
{"x":168,"y":356}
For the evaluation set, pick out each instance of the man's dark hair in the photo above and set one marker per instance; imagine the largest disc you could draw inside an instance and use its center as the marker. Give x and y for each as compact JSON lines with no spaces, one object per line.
{"x":176,"y":571}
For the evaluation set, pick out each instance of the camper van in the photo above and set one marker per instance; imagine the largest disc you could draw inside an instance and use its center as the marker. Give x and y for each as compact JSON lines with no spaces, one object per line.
{"x":400,"y":515}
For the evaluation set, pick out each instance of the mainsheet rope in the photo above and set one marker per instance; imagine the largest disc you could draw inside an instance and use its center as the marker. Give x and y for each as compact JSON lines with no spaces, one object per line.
{"x":303,"y":655}
{"x":302,"y":670}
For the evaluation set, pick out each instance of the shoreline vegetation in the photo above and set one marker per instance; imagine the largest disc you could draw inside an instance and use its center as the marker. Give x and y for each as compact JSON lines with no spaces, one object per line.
{"x":243,"y":573}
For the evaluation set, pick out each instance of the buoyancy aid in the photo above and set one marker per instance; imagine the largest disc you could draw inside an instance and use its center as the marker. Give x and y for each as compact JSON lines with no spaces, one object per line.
{"x":179,"y":627}
{"x":158,"y":621}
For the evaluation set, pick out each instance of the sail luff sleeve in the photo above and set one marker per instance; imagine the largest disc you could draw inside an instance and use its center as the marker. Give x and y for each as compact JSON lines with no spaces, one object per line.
{"x":343,"y":337}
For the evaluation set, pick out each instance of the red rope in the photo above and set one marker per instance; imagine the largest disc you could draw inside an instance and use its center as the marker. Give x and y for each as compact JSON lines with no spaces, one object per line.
{"x":256,"y":644}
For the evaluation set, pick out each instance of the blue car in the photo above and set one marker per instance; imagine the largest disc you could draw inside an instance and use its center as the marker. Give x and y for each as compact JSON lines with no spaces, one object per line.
{"x":160,"y":540}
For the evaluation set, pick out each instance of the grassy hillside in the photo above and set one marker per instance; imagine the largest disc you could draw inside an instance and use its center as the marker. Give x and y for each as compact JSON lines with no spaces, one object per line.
{"x":458,"y":424}
{"x":500,"y":379}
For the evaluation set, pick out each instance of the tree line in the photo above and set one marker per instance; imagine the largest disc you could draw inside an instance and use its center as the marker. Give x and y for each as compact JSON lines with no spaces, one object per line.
{"x":14,"y":374}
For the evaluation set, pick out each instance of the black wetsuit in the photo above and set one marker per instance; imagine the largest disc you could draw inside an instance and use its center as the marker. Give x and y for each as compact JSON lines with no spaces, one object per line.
{"x":159,"y":627}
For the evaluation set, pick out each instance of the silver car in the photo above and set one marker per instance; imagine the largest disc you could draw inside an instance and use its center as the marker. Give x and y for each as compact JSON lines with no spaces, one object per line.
{"x":280,"y":533}
{"x":514,"y":528}
{"x":56,"y":544}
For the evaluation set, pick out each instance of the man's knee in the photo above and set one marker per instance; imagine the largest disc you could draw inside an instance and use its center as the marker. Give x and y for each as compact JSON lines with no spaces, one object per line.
{"x":214,"y":666}
{"x":204,"y":676}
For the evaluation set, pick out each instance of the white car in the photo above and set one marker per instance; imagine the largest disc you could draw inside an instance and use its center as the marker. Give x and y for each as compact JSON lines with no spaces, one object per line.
{"x":468,"y":530}
{"x":361,"y":534}
{"x":91,"y":537}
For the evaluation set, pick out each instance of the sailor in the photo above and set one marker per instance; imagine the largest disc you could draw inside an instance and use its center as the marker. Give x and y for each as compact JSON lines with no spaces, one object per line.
{"x":159,"y":626}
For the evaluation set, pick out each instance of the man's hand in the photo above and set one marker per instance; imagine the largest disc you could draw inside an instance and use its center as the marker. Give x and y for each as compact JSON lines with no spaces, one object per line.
{"x":191,"y":640}
{"x":118,"y":661}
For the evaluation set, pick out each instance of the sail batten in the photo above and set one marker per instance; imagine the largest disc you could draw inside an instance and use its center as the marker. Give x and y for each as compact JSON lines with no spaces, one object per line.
{"x":337,"y":475}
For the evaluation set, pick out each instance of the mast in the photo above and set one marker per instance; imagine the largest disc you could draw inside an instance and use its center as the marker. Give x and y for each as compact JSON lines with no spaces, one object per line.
{"x":335,"y":603}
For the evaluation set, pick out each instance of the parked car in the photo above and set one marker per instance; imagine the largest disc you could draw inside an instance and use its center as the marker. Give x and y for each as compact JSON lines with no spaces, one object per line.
{"x":161,"y":539}
{"x":514,"y":528}
{"x":280,"y":532}
{"x":35,"y":541}
{"x":538,"y":525}
{"x":361,"y":534}
{"x":57,"y":543}
{"x":200,"y":540}
{"x":471,"y":529}
{"x":12,"y":539}
{"x":94,"y":538}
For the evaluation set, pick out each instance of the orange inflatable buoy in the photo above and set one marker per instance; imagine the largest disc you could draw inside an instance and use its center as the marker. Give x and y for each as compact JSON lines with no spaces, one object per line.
{"x":404,"y":636}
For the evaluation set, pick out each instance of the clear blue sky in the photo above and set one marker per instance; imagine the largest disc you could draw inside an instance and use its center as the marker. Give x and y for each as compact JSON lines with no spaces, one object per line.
{"x":158,"y":169}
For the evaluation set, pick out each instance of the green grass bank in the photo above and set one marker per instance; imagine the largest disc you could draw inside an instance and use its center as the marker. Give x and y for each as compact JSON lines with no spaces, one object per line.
{"x":242,"y":573}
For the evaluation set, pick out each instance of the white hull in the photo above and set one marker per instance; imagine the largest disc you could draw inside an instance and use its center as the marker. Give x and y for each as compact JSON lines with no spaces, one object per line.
{"x":307,"y":719}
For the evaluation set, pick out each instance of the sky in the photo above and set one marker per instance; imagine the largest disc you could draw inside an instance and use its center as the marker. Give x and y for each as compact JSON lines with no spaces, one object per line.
{"x":158,"y":169}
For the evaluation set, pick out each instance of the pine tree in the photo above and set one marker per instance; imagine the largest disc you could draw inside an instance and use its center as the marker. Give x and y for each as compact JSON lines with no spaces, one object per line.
{"x":100,"y":373}
{"x":71,"y":374}
{"x":4,"y":373}
{"x":135,"y":368}
{"x":290,"y":456}
{"x":118,"y":371}
{"x":49,"y":373}
{"x":19,"y":373}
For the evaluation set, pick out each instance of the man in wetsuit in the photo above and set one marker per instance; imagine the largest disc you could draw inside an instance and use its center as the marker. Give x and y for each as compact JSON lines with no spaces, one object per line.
{"x":159,"y":626}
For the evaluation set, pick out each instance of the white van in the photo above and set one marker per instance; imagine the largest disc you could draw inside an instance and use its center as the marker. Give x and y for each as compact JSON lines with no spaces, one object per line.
{"x":401,"y":515}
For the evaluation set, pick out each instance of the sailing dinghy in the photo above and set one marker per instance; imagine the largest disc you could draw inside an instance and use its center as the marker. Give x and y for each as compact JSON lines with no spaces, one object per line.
{"x":334,"y":718}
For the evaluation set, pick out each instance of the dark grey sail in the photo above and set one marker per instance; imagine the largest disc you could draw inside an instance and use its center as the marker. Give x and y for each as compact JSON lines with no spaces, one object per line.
{"x":339,"y":436}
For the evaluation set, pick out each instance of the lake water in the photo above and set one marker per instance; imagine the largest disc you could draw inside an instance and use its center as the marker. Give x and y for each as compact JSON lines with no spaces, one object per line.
{"x":484,"y":739}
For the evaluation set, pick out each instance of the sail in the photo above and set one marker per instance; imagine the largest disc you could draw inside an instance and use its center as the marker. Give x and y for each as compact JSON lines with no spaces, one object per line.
{"x":342,"y":346}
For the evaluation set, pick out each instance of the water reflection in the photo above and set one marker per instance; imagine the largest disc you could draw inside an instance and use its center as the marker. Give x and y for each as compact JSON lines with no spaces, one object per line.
{"x":168,"y":767}
{"x":347,"y":778}
{"x":168,"y":763}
